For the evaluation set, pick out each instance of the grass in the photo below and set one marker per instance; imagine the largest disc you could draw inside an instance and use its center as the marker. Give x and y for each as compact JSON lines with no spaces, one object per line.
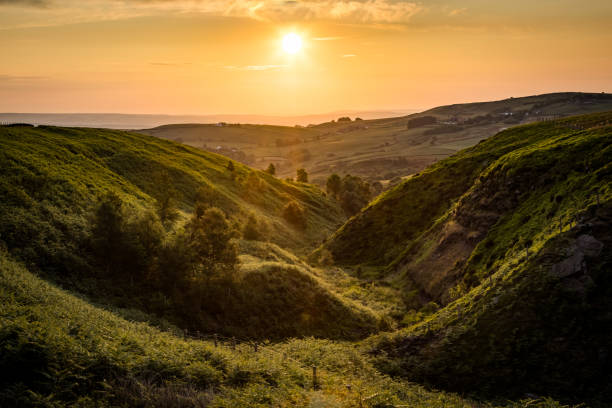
{"x":503,"y":323}
{"x":508,"y":324}
{"x":58,"y":350}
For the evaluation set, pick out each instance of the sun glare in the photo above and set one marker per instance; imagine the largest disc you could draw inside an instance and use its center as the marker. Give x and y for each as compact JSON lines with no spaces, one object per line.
{"x":292,"y":43}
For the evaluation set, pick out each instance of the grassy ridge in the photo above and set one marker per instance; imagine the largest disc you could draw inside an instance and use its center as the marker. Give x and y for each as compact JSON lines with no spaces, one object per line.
{"x":386,"y":227}
{"x":58,"y":351}
{"x":521,"y":261}
{"x":59,"y":169}
{"x":53,"y":177}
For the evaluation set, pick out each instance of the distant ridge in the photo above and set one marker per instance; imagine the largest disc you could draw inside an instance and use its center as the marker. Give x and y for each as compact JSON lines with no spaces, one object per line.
{"x":142,"y":121}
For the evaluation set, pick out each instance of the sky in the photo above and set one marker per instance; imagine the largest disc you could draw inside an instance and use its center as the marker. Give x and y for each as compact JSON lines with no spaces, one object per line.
{"x":226,"y":56}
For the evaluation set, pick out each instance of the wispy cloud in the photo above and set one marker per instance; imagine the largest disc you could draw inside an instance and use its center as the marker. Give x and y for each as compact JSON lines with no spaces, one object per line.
{"x":7,"y":78}
{"x":255,"y":67}
{"x":327,"y":38}
{"x":347,"y":11}
{"x":27,"y":3}
{"x":352,"y":11}
{"x":456,"y":12}
{"x":348,"y":55}
{"x":169,"y":64}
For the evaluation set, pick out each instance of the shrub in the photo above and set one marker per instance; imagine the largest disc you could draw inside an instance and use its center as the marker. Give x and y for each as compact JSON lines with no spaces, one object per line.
{"x":253,"y":230}
{"x":302,"y":176}
{"x":334,"y":185}
{"x":295,"y":214}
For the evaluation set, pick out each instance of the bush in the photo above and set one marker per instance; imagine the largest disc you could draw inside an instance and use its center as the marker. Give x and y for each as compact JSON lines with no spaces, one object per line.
{"x":295,"y":214}
{"x":253,"y":230}
{"x":302,"y":176}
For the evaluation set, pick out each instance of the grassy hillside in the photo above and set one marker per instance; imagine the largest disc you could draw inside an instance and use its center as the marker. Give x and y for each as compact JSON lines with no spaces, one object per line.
{"x":380,"y":149}
{"x":386,"y":228}
{"x":59,"y":351}
{"x":512,"y":239}
{"x":53,"y":179}
{"x":69,"y":167}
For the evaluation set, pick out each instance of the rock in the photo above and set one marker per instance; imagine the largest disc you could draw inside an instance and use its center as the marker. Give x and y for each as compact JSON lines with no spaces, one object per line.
{"x":589,"y":245}
{"x":570,"y":266}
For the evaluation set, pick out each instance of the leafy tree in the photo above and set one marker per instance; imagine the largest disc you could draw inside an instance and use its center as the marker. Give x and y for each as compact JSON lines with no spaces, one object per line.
{"x":271,"y":169}
{"x":302,"y":176}
{"x":210,"y":236}
{"x":175,"y":264}
{"x":143,"y":238}
{"x":107,"y":232}
{"x":334,"y":185}
{"x":166,"y":199}
{"x":355,"y":194}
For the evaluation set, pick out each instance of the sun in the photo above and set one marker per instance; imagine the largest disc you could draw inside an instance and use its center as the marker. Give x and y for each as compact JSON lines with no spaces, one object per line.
{"x":292,"y":43}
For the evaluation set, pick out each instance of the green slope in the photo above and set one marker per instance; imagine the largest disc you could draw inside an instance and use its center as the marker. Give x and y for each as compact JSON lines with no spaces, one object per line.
{"x":56,"y":350}
{"x":386,"y":227}
{"x":66,"y":168}
{"x":53,"y":177}
{"x":513,"y":238}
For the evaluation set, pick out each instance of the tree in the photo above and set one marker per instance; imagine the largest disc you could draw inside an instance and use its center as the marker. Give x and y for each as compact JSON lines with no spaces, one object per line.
{"x":165,"y":198}
{"x":334,"y":185}
{"x":271,"y":169}
{"x":143,"y":238}
{"x":230,"y":166}
{"x":210,"y":236}
{"x":302,"y":176}
{"x":107,"y":232}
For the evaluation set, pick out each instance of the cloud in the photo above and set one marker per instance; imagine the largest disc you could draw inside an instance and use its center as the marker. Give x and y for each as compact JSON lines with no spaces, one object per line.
{"x":349,"y":11}
{"x":169,"y":64}
{"x":255,"y":67}
{"x":457,"y":12}
{"x":349,"y":55}
{"x":6,"y":78}
{"x":26,"y":3}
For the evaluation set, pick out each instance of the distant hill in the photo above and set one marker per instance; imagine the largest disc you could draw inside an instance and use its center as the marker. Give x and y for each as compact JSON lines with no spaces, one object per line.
{"x":140,"y":121}
{"x":508,"y":243}
{"x":378,"y":149}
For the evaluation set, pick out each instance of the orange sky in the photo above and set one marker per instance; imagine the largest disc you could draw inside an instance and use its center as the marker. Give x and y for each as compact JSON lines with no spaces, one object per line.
{"x":225,"y":56}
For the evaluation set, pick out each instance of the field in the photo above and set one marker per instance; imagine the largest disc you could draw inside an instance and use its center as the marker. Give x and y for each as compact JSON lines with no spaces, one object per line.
{"x":380,"y":149}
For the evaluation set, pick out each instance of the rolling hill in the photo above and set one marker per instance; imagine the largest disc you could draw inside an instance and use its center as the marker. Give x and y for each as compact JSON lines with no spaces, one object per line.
{"x":60,"y":351}
{"x":486,"y":274}
{"x":54,"y":179}
{"x":380,"y":149}
{"x":505,"y":247}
